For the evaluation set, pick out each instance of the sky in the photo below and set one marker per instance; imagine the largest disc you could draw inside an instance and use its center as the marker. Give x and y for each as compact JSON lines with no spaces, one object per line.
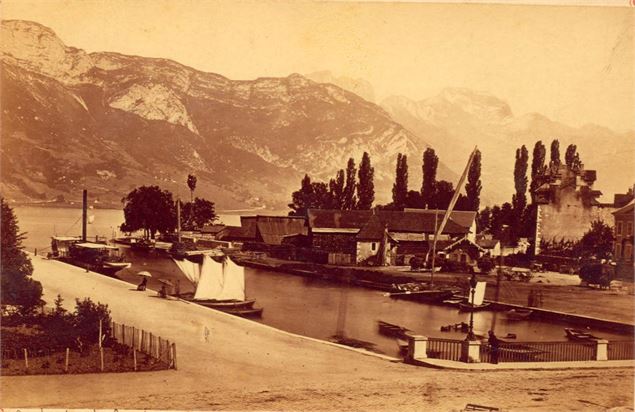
{"x":572,"y":64}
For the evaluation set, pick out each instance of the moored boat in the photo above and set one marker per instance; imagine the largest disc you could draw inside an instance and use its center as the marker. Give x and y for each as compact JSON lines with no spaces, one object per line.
{"x":519,"y":314}
{"x":432,"y":295}
{"x":466,"y":307}
{"x":475,"y":302}
{"x":390,"y":329}
{"x":579,"y":335}
{"x":220,"y":284}
{"x":97,"y":257}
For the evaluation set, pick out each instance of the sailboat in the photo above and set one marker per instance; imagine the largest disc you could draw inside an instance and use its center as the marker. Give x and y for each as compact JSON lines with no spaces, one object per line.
{"x":219,"y":285}
{"x":477,"y":304}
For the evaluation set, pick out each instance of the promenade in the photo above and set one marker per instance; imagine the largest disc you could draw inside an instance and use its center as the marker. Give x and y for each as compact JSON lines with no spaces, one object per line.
{"x":226,"y":362}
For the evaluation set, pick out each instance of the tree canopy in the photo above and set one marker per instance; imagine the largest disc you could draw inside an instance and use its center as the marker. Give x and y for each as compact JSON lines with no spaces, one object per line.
{"x":473,"y":185}
{"x":197,"y":214}
{"x":428,"y":185}
{"x":597,"y":241}
{"x":150,"y":209}
{"x":17,"y":287}
{"x":400,"y":187}
{"x":365,"y":185}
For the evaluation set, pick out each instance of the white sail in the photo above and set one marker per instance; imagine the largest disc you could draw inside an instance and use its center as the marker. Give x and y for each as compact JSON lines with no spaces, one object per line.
{"x":191,"y":270}
{"x":233,"y":281}
{"x":210,"y":284}
{"x":479,"y":294}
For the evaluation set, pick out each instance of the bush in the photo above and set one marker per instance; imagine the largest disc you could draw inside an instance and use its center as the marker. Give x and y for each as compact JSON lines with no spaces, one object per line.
{"x":416,"y":262}
{"x":485,"y":264}
{"x":595,"y":274}
{"x":86,"y":320}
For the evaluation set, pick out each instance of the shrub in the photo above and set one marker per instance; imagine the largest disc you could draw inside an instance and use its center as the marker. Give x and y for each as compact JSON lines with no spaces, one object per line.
{"x":485,"y":264}
{"x":86,"y":320}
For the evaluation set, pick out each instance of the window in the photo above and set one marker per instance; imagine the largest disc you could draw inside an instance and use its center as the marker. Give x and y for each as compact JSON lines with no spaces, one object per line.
{"x":373,"y":246}
{"x":628,"y":251}
{"x":618,"y":250}
{"x":629,"y":228}
{"x":618,"y":228}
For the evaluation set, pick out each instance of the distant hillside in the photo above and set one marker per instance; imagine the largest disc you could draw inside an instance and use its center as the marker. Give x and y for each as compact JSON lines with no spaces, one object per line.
{"x":110,"y":122}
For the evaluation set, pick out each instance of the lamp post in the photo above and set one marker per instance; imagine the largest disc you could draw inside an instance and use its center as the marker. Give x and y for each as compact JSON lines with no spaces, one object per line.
{"x":470,"y":331}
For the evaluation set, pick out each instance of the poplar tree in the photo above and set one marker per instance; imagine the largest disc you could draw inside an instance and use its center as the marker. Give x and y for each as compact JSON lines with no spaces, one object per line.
{"x":350,"y":200}
{"x":519,"y":199}
{"x":365,"y":186}
{"x":473,"y":185}
{"x":336,"y":190}
{"x":400,"y":187}
{"x":555,"y":152}
{"x":537,"y":165}
{"x":569,"y":156}
{"x":428,"y":186}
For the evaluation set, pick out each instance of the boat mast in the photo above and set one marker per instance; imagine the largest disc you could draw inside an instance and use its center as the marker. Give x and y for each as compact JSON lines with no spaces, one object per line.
{"x":178,"y":219}
{"x":84,"y":213}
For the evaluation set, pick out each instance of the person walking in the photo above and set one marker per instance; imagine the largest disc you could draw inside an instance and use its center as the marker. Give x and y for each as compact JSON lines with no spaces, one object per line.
{"x":494,"y":345}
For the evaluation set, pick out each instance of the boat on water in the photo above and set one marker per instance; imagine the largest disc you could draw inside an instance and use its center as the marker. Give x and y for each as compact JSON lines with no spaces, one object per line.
{"x":579,"y":335}
{"x":94,"y":256}
{"x":454,"y":301}
{"x":519,"y":314}
{"x":431,"y":295}
{"x":220,"y":284}
{"x":476,"y":298}
{"x":392,"y":330}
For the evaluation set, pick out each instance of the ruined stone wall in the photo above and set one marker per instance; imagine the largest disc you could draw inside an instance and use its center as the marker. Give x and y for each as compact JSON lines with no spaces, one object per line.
{"x":567,"y":218}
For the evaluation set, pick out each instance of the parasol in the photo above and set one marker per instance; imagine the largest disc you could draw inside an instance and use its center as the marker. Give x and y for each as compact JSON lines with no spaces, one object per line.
{"x":145,"y":274}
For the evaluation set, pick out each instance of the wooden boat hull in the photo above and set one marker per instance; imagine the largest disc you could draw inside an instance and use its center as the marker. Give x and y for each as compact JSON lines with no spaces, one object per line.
{"x":519,"y":314}
{"x":424,"y":295}
{"x":389,"y":329}
{"x":579,"y":335}
{"x":228,"y":304}
{"x":466,"y":307}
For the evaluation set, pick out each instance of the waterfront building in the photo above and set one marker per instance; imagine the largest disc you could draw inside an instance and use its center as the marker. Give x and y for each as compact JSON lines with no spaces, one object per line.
{"x":623,"y":253}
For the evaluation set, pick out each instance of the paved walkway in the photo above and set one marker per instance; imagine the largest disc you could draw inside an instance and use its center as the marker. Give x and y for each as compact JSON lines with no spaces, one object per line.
{"x":448,"y":364}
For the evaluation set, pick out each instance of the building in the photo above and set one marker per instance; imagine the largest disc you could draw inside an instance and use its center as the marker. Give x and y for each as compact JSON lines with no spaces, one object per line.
{"x":385,"y":236}
{"x":270,"y":230}
{"x":623,"y":253}
{"x":566,"y":204}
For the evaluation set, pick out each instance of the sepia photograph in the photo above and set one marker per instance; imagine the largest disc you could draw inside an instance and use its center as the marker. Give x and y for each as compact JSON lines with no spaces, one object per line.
{"x":312,"y":205}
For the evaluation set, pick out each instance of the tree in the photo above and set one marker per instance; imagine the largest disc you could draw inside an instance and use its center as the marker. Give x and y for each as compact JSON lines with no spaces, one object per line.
{"x":86,"y":320}
{"x":537,"y":166}
{"x":201,"y":212}
{"x":365,"y":186}
{"x":473,"y":186}
{"x":350,"y":201}
{"x":149,"y":208}
{"x":597,"y":242}
{"x":191,"y":183}
{"x":569,"y":155}
{"x":312,"y":195}
{"x":16,"y":285}
{"x":501,"y":215}
{"x":555,"y":152}
{"x":400,"y":187}
{"x":443,"y":195}
{"x":413,"y":199}
{"x":430,"y":163}
{"x":519,"y":199}
{"x":484,"y":220}
{"x":336,"y":191}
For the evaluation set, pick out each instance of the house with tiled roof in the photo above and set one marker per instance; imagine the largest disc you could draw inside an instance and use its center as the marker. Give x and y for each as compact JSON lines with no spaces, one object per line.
{"x":390,"y":236}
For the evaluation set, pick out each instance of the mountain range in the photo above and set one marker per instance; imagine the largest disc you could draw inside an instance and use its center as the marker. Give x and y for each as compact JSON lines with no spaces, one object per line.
{"x":110,"y":122}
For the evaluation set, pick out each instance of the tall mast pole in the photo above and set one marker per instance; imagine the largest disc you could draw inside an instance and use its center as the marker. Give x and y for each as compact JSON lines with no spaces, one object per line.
{"x":84,"y":213}
{"x":178,"y":219}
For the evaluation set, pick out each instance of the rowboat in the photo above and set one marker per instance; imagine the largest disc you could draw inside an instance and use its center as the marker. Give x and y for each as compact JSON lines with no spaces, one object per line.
{"x":519,"y":314}
{"x":389,"y":329}
{"x":466,"y":307}
{"x":580,"y":335}
{"x":433,"y":295}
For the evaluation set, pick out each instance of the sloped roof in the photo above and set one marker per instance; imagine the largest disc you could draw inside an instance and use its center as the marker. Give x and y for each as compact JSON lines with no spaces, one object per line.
{"x":249,"y":225}
{"x":338,"y":219}
{"x":236,"y":233}
{"x":628,"y":209}
{"x":372,"y":230}
{"x":212,"y":229}
{"x":273,"y":229}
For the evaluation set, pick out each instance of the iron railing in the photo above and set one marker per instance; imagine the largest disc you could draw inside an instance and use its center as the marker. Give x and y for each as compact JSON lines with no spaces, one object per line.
{"x":447,"y":349}
{"x":620,"y":350}
{"x":540,"y":352}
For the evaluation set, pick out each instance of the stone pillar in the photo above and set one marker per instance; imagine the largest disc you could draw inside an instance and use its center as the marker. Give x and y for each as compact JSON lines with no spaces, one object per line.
{"x":417,"y":347}
{"x":471,"y":351}
{"x":601,"y":351}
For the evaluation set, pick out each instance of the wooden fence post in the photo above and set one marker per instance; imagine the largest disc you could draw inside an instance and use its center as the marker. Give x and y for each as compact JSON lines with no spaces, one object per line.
{"x":101,"y":359}
{"x":134,"y":333}
{"x":66,"y":362}
{"x":26,"y":358}
{"x":174,"y":356}
{"x":134,"y":358}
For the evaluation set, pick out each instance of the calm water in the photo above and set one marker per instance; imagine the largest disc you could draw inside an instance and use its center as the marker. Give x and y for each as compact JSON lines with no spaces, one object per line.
{"x":304,"y":306}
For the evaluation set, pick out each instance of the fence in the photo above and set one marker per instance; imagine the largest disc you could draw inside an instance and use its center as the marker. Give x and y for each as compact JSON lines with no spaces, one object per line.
{"x":620,"y":350}
{"x":541,"y":352}
{"x":145,"y":342}
{"x":447,"y":349}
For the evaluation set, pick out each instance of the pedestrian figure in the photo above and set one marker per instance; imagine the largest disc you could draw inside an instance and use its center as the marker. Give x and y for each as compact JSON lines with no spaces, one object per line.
{"x":206,"y":334}
{"x":163,"y":292}
{"x":494,"y":347}
{"x":143,"y":284}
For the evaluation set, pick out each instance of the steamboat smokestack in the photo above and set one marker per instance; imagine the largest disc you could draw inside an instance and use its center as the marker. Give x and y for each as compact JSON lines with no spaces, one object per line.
{"x":84,"y":213}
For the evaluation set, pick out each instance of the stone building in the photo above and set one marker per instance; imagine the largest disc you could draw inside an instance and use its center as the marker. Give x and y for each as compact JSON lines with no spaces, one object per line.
{"x":566,"y":204}
{"x":623,"y":253}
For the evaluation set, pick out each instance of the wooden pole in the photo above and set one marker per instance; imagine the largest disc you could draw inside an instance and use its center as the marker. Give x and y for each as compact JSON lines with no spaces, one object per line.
{"x":26,"y":358}
{"x":134,"y":358}
{"x":174,"y":356}
{"x":101,"y":359}
{"x":66,"y":362}
{"x":134,"y":333}
{"x":100,"y":326}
